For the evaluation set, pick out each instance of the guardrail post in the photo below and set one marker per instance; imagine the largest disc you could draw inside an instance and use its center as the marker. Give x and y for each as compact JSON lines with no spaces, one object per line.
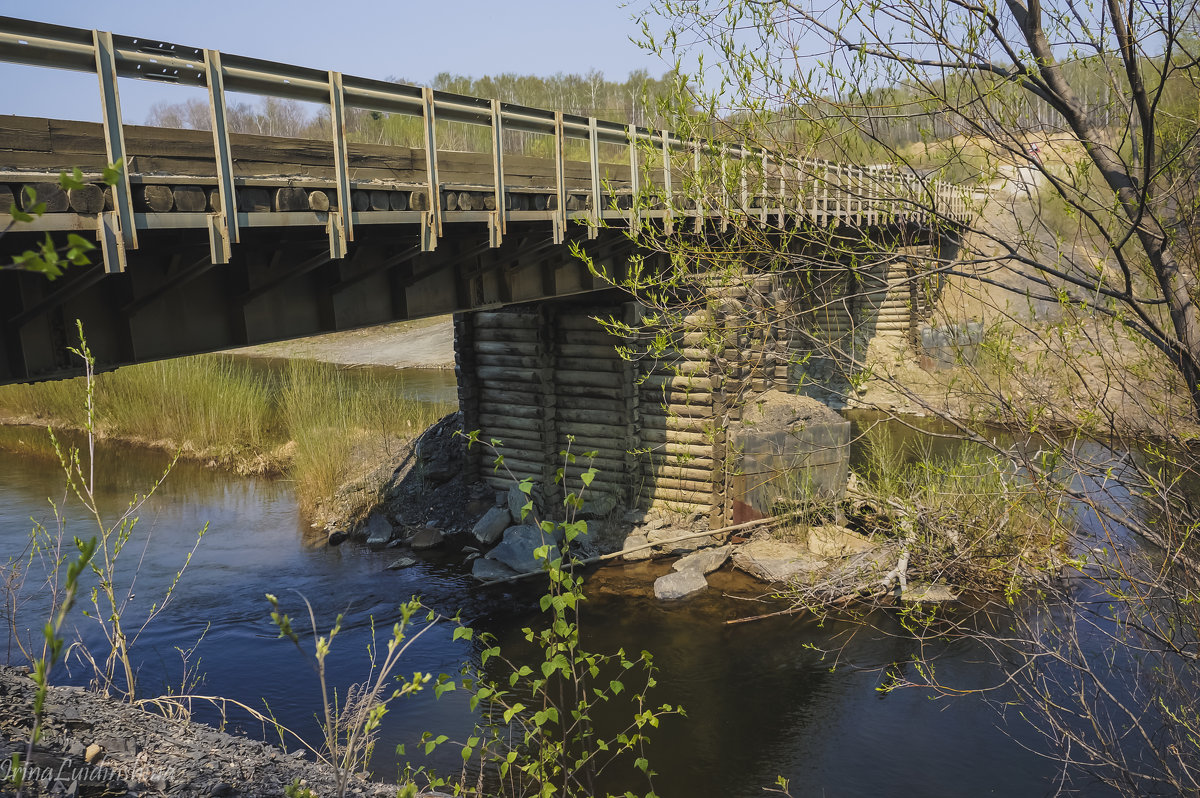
{"x":745,"y":184}
{"x":782,"y":199}
{"x":341,"y":224}
{"x":698,"y":189}
{"x":634,"y":221}
{"x":669,"y":200}
{"x":500,"y":219}
{"x":594,"y":163}
{"x":114,"y":146}
{"x":224,"y":229}
{"x":763,"y":193}
{"x":560,"y":179}
{"x":723,"y":157}
{"x":432,"y":226}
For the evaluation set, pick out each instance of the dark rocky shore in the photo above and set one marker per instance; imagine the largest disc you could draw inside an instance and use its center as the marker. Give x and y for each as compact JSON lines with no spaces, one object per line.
{"x":93,"y":746}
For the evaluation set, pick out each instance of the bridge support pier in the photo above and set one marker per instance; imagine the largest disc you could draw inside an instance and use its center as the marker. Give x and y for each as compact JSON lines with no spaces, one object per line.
{"x":543,"y":376}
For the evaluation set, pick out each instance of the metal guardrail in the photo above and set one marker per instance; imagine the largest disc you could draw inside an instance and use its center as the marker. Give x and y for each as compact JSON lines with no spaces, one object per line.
{"x":805,"y":187}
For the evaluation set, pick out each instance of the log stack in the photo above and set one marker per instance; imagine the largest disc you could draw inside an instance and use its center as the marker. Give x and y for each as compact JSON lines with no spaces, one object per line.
{"x":510,"y":396}
{"x":542,"y":378}
{"x":591,"y":411}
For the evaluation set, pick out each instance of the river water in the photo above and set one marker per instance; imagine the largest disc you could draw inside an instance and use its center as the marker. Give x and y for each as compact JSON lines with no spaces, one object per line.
{"x":761,"y":700}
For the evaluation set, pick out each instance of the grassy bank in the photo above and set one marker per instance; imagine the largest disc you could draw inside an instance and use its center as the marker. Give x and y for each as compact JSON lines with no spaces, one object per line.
{"x":312,"y":421}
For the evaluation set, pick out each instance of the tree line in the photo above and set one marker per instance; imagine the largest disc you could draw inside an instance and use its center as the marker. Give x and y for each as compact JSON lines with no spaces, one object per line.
{"x":638,"y":99}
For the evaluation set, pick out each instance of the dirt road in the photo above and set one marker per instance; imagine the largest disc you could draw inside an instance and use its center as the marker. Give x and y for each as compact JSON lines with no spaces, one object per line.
{"x":423,"y":344}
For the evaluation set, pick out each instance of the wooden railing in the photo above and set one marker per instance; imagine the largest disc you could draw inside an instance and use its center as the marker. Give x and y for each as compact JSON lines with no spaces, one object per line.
{"x":667,"y":177}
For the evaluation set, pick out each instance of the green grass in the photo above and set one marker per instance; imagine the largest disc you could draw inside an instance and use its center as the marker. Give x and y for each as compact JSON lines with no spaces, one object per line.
{"x":315,"y":422}
{"x":980,"y":523}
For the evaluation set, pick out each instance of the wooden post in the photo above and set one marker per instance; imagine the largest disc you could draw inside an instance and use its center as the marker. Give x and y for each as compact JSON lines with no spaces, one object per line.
{"x":560,"y":185}
{"x":719,"y":376}
{"x":501,"y":210}
{"x":551,"y":495}
{"x":227,"y":198}
{"x":433,"y":224}
{"x":594,"y":168}
{"x":632,"y":397}
{"x":342,"y":225}
{"x":668,"y":193}
{"x":468,"y":389}
{"x":634,"y":175}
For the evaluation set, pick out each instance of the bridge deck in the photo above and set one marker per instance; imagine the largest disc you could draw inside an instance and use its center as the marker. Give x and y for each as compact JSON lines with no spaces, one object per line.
{"x":315,"y":235}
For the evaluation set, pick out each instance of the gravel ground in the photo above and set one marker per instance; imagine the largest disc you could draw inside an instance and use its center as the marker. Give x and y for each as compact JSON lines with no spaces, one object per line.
{"x":93,"y":746}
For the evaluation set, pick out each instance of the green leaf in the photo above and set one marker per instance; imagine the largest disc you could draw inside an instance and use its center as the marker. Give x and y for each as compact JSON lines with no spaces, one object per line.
{"x":616,"y":687}
{"x":112,"y":173}
{"x":71,"y":181}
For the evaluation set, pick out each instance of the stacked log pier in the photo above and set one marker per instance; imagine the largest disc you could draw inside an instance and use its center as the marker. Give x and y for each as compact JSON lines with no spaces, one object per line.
{"x":592,"y":413}
{"x":680,"y":465}
{"x":510,"y":398}
{"x":845,"y":307}
{"x":546,"y":378}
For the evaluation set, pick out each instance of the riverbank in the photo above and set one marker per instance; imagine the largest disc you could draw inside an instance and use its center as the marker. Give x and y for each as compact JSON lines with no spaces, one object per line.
{"x":96,"y":746}
{"x":319,"y":425}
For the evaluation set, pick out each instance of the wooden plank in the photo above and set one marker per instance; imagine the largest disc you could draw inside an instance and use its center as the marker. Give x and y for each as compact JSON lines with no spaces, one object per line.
{"x":507,"y":434}
{"x":530,"y":395}
{"x":190,"y":152}
{"x":588,"y":378}
{"x":508,"y":361}
{"x":668,"y":435}
{"x":488,"y":421}
{"x":590,"y":364}
{"x":517,"y":349}
{"x":507,"y":385}
{"x":506,"y":335}
{"x":676,"y":423}
{"x":24,"y":133}
{"x":589,"y":403}
{"x":595,"y":391}
{"x":615,"y":446}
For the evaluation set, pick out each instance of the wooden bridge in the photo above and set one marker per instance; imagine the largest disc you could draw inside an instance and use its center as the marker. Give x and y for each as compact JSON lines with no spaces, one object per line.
{"x":211,"y":239}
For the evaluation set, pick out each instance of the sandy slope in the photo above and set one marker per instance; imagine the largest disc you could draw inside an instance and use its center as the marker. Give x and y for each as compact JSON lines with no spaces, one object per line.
{"x":425,"y":344}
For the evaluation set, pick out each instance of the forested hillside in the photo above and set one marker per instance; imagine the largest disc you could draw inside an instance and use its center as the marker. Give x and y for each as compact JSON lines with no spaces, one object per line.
{"x":636,"y":99}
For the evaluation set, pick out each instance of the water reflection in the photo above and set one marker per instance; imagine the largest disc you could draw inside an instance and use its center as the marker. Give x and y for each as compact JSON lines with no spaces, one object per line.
{"x":762,"y":700}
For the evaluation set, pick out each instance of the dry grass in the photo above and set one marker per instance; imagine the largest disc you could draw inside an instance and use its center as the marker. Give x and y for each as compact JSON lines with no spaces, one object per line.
{"x":313,"y":421}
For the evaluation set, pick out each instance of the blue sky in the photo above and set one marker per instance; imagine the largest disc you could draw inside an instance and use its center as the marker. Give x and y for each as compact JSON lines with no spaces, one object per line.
{"x":413,"y":40}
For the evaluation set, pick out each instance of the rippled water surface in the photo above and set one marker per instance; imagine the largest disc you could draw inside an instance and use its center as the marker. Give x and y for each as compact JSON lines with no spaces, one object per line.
{"x":761,"y":702}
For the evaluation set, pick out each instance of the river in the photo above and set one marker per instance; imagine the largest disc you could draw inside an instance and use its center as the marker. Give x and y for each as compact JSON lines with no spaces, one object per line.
{"x":761,"y":701}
